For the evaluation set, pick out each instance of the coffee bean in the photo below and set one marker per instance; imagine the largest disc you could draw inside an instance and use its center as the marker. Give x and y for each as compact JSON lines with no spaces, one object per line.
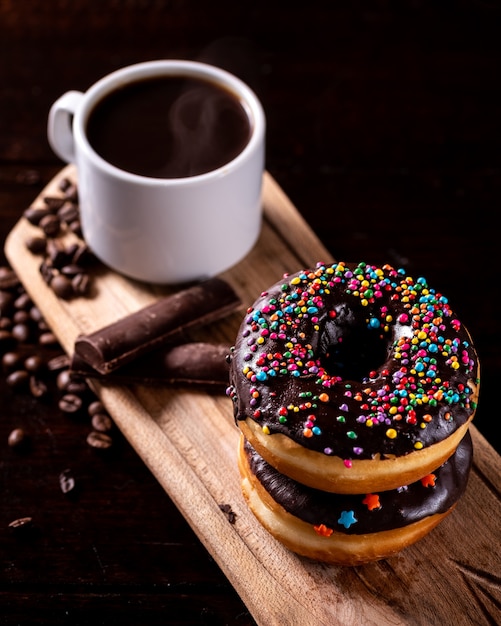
{"x":83,"y":256}
{"x":47,"y":271}
{"x":47,"y":339}
{"x":64,"y":183}
{"x":36,"y":315}
{"x":21,"y":317}
{"x":71,"y":270}
{"x":68,"y":212}
{"x":80,"y":284}
{"x":21,"y":332}
{"x":17,"y":438}
{"x":23,"y":301}
{"x":54,"y":203}
{"x":20,"y":523}
{"x":99,"y":440}
{"x":62,"y":287}
{"x":5,"y":323}
{"x":70,"y":403}
{"x":59,"y":362}
{"x":71,"y":193}
{"x":18,"y":379}
{"x":56,"y":253}
{"x":63,"y":379}
{"x":102,"y":422}
{"x":76,"y":227}
{"x":11,"y":361}
{"x":50,"y":225}
{"x":34,"y":363}
{"x":38,"y":388}
{"x":66,"y":481}
{"x":96,"y":407}
{"x":34,"y":215}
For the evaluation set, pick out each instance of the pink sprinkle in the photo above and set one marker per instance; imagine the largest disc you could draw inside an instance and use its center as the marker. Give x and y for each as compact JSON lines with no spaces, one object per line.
{"x":347,"y":463}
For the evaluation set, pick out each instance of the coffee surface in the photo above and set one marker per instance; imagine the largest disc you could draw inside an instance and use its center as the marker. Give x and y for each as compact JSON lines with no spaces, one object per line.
{"x":169,"y":127}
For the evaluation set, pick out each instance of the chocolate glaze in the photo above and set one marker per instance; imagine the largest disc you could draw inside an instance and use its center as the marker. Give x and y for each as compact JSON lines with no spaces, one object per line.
{"x":398,"y":507}
{"x":354,"y":369}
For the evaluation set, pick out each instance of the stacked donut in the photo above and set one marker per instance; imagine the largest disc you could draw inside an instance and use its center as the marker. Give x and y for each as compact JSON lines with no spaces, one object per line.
{"x":353,"y":387}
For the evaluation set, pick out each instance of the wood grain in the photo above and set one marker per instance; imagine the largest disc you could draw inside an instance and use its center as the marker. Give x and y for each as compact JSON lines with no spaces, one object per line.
{"x":188,"y":440}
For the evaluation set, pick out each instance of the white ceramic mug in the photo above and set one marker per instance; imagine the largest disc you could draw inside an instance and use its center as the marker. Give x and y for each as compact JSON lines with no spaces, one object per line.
{"x":163,"y":230}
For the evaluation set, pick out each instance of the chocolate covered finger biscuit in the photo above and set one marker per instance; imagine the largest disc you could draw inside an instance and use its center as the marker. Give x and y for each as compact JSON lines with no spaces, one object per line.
{"x":159,"y":323}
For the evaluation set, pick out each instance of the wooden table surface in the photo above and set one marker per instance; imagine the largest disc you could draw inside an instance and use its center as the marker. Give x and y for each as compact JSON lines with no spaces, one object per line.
{"x":384,"y":131}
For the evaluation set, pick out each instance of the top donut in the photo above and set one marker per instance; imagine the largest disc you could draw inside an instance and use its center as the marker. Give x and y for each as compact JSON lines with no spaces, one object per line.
{"x":340,"y":366}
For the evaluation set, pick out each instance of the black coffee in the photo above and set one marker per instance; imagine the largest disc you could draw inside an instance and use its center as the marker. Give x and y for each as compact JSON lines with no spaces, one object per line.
{"x":169,"y":127}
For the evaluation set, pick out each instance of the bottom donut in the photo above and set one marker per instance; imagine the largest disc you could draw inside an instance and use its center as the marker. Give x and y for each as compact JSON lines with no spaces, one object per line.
{"x":351,"y":529}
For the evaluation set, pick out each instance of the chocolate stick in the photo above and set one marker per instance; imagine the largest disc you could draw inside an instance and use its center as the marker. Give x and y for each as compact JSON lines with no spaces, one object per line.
{"x":161,"y":322}
{"x":192,"y":364}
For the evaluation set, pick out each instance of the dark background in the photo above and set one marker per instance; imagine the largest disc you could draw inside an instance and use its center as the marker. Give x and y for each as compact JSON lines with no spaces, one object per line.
{"x":383,"y":129}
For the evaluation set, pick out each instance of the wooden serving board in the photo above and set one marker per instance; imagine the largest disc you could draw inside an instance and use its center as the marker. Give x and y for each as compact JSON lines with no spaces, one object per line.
{"x":189,"y":441}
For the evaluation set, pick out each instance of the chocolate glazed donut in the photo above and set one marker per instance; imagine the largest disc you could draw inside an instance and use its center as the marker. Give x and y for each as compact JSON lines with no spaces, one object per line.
{"x":354,"y":378}
{"x":351,"y":529}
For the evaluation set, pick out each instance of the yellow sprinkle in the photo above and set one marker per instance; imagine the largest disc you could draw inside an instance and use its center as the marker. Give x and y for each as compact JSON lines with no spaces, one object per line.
{"x":455,"y":365}
{"x":266,"y":430}
{"x":418,"y":445}
{"x":369,"y":423}
{"x":393,"y":410}
{"x":391,"y":433}
{"x":364,"y":302}
{"x":295,"y":281}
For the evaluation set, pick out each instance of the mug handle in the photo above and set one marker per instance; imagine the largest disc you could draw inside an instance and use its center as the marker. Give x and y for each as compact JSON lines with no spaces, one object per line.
{"x":59,"y":127}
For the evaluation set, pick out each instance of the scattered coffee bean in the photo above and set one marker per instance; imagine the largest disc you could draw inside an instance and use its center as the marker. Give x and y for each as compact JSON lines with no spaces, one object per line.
{"x":34,"y":215}
{"x":71,"y":192}
{"x":47,"y":339}
{"x":18,"y":379}
{"x":22,"y":522}
{"x":62,"y":286}
{"x":23,"y":301}
{"x":21,"y":317}
{"x":99,"y":440}
{"x":80,"y":284}
{"x":102,"y":422}
{"x":66,"y":481}
{"x":11,"y":361}
{"x":59,"y":362}
{"x":5,"y":323}
{"x":37,"y":245}
{"x":54,"y":203}
{"x":34,"y":363}
{"x":50,"y":225}
{"x":17,"y":438}
{"x":38,"y":388}
{"x":96,"y":407}
{"x":68,"y":212}
{"x":63,"y":379}
{"x":57,"y":253}
{"x":70,"y":403}
{"x":21,"y":332}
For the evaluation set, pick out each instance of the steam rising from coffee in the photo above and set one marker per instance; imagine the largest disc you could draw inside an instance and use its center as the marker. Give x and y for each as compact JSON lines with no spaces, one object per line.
{"x":169,"y":127}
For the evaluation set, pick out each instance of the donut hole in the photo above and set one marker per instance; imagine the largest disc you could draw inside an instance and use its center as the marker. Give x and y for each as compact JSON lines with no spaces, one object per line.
{"x":349,"y":347}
